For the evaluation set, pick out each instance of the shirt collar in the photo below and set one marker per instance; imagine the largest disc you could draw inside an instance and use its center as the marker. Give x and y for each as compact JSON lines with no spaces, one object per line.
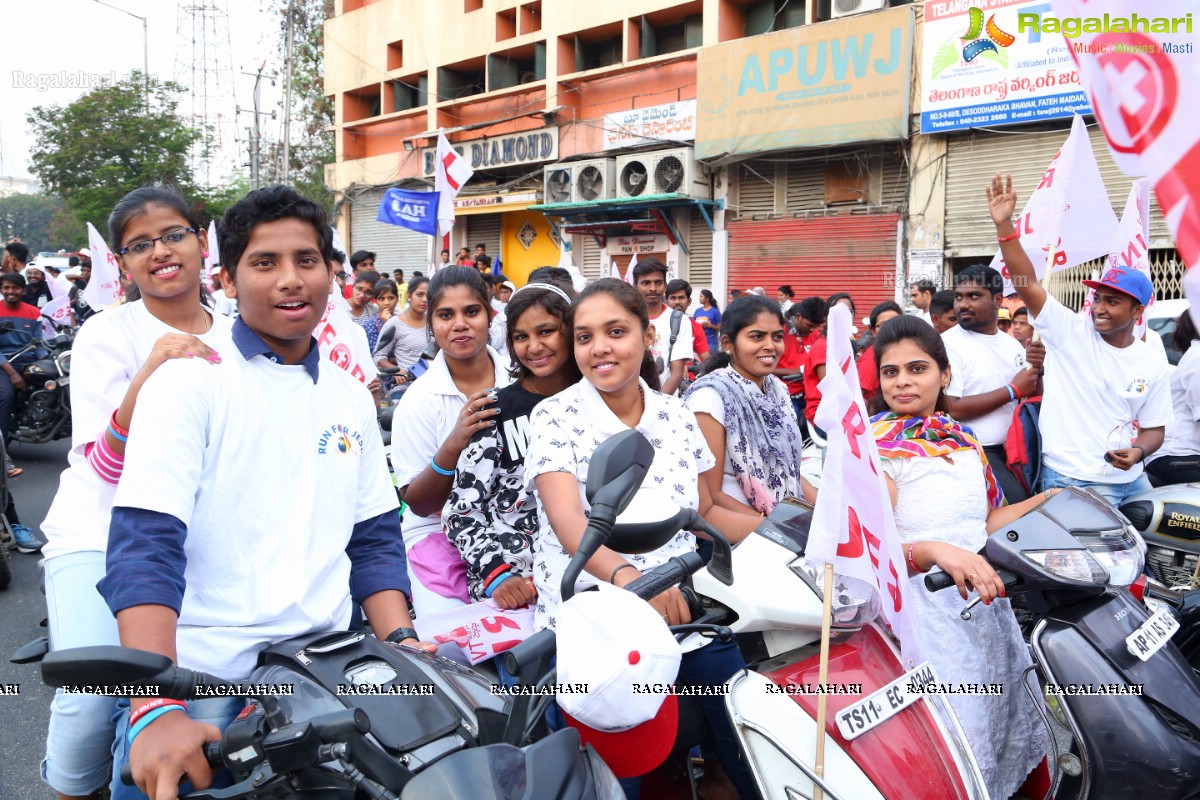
{"x":605,"y":421}
{"x":440,"y":381}
{"x":250,"y":344}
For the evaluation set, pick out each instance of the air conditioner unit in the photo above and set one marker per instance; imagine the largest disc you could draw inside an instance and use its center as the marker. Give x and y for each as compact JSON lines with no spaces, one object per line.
{"x":673,"y":171}
{"x":848,"y":8}
{"x":579,"y":181}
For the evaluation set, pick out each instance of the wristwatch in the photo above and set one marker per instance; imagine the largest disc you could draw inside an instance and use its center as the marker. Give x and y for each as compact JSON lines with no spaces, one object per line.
{"x":400,"y":634}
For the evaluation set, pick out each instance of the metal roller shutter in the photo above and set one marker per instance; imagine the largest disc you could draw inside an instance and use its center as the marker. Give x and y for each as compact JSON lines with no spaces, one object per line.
{"x":972,"y":159}
{"x":485,"y":229}
{"x":394,"y":247}
{"x":820,"y":256}
{"x":700,"y":255}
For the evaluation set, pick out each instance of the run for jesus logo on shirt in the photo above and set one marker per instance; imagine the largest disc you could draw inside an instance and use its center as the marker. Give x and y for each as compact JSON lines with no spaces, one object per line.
{"x":341,"y":439}
{"x":1136,"y":386}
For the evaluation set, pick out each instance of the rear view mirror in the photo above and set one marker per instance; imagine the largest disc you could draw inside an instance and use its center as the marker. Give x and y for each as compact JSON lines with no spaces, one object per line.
{"x":617,"y":469}
{"x":102,"y":666}
{"x":647,"y":523}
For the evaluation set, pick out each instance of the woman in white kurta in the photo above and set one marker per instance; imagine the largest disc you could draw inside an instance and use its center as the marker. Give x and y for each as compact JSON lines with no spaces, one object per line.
{"x":947,"y":501}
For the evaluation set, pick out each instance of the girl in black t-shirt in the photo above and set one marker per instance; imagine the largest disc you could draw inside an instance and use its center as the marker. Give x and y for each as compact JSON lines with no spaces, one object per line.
{"x":491,"y":516}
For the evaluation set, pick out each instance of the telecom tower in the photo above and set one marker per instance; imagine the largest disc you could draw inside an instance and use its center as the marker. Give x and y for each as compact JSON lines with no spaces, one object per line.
{"x":204,"y":67}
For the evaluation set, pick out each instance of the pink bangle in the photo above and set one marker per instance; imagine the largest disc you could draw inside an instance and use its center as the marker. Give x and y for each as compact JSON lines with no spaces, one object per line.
{"x":1014,"y":235}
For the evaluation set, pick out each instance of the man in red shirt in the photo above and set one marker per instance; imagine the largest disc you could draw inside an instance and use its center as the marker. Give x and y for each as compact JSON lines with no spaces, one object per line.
{"x":807,"y":318}
{"x":679,"y":297}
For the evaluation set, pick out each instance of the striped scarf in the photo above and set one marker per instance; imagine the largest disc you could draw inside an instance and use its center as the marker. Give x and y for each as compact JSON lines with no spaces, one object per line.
{"x":904,"y":436}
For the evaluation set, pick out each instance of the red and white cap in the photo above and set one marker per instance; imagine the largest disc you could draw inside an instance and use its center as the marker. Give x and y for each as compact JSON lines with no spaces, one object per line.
{"x":614,"y":641}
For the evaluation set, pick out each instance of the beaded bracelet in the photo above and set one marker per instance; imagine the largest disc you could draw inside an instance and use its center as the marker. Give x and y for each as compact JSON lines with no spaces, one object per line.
{"x":147,"y":719}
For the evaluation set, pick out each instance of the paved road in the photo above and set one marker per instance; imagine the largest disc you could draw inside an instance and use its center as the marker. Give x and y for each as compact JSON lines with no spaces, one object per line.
{"x":23,"y":718}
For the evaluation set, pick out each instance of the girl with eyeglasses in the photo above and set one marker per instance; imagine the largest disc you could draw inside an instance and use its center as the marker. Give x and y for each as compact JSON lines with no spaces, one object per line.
{"x":161,"y":248}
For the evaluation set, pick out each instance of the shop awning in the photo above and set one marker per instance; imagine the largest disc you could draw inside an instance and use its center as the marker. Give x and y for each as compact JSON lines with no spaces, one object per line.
{"x":638,"y":214}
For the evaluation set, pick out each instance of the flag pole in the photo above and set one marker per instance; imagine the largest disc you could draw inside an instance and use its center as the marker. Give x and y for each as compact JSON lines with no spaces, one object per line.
{"x":823,"y":676}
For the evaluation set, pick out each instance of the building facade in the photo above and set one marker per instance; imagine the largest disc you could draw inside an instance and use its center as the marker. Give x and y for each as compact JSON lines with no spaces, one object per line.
{"x":837,"y":145}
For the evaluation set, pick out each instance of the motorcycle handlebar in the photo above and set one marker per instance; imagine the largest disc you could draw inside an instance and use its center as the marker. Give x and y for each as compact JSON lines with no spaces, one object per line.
{"x":661,"y":578}
{"x":937,"y":581}
{"x":212,"y":754}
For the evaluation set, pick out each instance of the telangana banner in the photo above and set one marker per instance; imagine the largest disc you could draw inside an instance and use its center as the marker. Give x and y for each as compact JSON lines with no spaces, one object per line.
{"x":993,"y":62}
{"x":830,"y":83}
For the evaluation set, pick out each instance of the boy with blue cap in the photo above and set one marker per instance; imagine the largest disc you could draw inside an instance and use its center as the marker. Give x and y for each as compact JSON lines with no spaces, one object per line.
{"x":1107,"y":397}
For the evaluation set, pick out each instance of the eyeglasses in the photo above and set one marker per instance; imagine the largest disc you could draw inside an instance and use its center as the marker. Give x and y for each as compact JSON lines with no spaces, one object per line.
{"x":170,"y":239}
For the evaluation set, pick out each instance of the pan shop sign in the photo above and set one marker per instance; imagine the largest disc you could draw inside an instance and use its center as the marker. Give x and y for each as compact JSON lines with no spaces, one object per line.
{"x":831,"y":83}
{"x":512,"y":149}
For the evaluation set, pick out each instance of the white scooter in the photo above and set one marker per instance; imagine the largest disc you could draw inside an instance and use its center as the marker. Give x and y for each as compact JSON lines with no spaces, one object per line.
{"x":877,"y":735}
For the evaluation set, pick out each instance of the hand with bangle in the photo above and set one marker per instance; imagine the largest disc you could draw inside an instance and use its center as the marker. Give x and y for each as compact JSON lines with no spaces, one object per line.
{"x":507,"y":588}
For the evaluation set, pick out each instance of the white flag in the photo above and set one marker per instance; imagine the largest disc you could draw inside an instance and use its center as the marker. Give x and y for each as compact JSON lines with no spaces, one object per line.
{"x":1130,"y":246}
{"x":629,"y":271}
{"x":104,"y":286}
{"x":451,"y":173}
{"x":615,"y":270}
{"x":1145,"y":91}
{"x":56,"y":314}
{"x":342,"y":341}
{"x":1069,"y":211}
{"x":854,"y":526}
{"x":214,"y":255}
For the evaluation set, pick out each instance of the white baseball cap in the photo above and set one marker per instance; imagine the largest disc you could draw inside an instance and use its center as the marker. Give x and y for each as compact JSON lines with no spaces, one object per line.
{"x":612,"y":640}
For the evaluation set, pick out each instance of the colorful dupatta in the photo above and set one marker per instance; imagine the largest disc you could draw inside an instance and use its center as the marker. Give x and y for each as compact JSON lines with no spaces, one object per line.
{"x":904,"y":436}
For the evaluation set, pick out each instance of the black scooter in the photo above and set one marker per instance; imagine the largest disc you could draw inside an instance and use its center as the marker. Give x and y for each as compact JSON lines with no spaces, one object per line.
{"x":1129,"y":698}
{"x":351,"y":725}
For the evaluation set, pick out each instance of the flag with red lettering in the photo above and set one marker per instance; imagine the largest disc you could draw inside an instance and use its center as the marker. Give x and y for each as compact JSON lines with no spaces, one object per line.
{"x":342,"y":341}
{"x":104,"y":286}
{"x":1130,"y":247}
{"x":451,"y":172}
{"x":57,"y":313}
{"x":1069,"y":211}
{"x":1145,"y":91}
{"x":854,"y":525}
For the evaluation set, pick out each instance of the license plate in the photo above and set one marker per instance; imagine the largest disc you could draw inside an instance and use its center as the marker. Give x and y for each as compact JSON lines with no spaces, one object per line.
{"x":880,"y":706}
{"x":1153,"y":634}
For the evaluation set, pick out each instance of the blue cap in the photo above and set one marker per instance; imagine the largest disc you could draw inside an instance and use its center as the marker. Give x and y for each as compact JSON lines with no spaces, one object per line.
{"x":1126,"y":280}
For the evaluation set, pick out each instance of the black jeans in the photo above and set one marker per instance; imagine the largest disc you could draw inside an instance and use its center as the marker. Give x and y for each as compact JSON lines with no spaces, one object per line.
{"x":1166,"y":470}
{"x":998,"y":461}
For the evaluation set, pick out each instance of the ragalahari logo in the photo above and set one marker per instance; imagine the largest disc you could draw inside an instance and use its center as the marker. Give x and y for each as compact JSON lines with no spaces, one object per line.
{"x":981,"y":38}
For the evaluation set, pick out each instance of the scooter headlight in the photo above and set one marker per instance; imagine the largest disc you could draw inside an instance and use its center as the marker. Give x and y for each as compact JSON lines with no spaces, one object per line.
{"x":855,"y":602}
{"x":1111,"y":558}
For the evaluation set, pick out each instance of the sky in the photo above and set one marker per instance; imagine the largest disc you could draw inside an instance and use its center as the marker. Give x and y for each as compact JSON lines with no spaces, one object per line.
{"x":48,"y":43}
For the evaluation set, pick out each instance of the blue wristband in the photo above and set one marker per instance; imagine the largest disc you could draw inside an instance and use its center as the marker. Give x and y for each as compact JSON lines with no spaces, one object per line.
{"x":113,"y":433}
{"x":149,"y":717}
{"x":449,"y":473}
{"x":1011,"y":394}
{"x":501,"y":578}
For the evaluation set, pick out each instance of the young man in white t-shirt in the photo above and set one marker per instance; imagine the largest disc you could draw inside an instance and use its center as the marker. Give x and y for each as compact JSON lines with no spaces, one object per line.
{"x":1107,"y":399}
{"x":650,"y":278}
{"x":988,"y":374}
{"x":231,"y":527}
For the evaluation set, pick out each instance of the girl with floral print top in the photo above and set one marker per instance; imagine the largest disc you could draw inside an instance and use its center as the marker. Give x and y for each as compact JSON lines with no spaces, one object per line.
{"x":491,"y":516}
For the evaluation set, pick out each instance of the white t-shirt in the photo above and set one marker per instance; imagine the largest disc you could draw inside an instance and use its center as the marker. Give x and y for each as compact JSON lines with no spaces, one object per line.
{"x":424,"y":418}
{"x":1094,"y":392}
{"x":270,"y":472}
{"x":224,"y":304}
{"x":1183,"y":435}
{"x":107,"y":353}
{"x":661,"y":326}
{"x":980,"y":364}
{"x":705,"y":400}
{"x":567,"y":429}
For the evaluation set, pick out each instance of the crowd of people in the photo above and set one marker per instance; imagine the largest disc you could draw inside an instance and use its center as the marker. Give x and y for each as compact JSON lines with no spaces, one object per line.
{"x":207,"y":386}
